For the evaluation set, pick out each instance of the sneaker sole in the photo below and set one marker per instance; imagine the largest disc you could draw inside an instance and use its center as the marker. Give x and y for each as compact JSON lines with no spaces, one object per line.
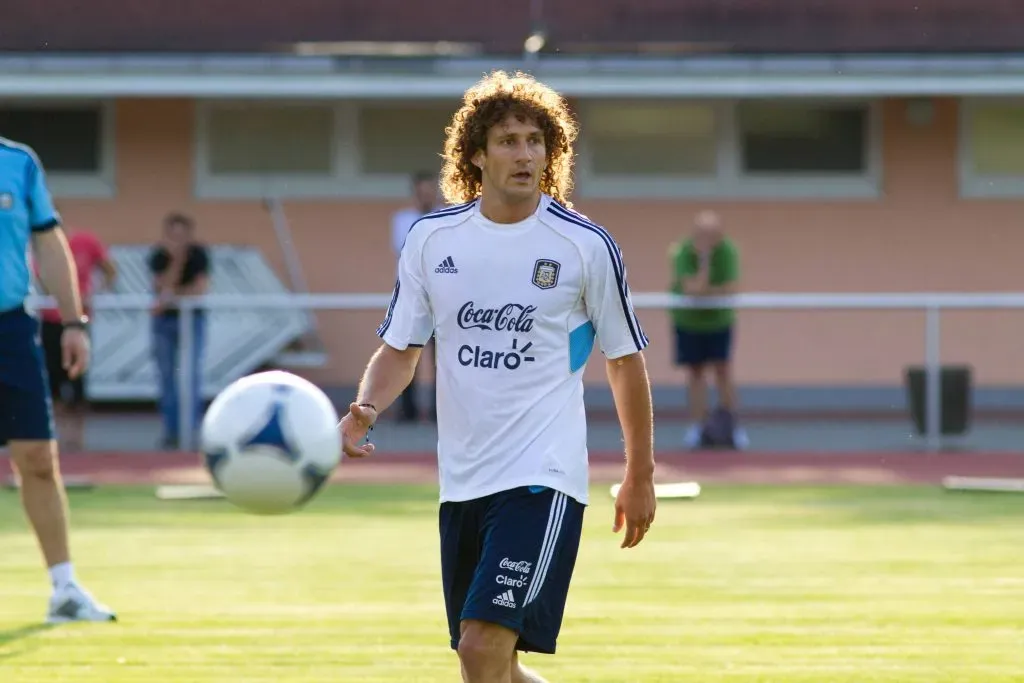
{"x":56,"y":619}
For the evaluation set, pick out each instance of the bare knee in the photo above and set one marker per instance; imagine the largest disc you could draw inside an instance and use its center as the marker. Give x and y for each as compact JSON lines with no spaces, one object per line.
{"x":485,"y":651}
{"x":35,"y":459}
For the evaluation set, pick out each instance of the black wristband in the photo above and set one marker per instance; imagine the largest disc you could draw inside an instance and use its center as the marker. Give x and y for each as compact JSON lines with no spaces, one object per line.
{"x":368,"y":405}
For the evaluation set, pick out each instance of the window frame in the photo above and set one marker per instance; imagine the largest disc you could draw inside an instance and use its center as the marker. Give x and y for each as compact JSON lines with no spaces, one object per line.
{"x":971,"y":184}
{"x":101,"y":184}
{"x":347,"y":181}
{"x":731,"y":182}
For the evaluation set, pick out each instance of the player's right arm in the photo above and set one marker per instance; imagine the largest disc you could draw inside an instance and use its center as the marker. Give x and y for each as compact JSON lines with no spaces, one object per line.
{"x":53,"y":255}
{"x":387,"y":374}
{"x":407,"y":326}
{"x":57,"y":269}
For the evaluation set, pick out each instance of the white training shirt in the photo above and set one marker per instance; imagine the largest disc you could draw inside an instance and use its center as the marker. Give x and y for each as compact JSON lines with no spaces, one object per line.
{"x":515,"y":309}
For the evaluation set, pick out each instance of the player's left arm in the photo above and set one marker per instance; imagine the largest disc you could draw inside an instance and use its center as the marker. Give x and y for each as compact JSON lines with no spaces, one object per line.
{"x":57,"y":269}
{"x":631,"y":390}
{"x":622,"y":340}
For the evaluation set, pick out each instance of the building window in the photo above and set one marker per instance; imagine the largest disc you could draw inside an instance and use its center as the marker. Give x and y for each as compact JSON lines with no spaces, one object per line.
{"x":401,"y":140}
{"x":65,"y":140}
{"x":316,"y":149}
{"x":992,"y":148}
{"x":270,"y":141}
{"x":997,"y":135}
{"x":652,"y":139}
{"x":725,"y":149}
{"x":74,"y":143}
{"x":782,"y":139}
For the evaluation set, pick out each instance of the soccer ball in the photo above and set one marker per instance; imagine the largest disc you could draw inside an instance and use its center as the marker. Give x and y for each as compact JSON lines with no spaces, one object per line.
{"x":270,"y":440}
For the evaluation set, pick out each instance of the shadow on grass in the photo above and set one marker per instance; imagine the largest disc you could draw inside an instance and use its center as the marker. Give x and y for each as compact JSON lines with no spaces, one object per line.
{"x":14,"y":635}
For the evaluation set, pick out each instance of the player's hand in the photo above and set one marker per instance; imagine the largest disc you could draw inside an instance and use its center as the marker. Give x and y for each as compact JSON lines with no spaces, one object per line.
{"x":74,"y":349}
{"x":354,"y":428}
{"x":634,"y":508}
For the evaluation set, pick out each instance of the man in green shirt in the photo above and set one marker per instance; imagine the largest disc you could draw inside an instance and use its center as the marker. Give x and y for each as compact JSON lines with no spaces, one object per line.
{"x":706,"y":265}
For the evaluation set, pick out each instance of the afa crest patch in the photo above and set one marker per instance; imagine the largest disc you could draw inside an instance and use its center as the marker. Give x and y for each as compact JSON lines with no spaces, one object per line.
{"x":6,"y":200}
{"x":545,"y":273}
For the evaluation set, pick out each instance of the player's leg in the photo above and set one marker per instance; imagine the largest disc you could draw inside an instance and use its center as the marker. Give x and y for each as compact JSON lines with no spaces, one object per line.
{"x":30,"y":432}
{"x":42,"y":492}
{"x":689,"y":354}
{"x":720,"y":357}
{"x":517,"y":598}
{"x":198,"y":354}
{"x":524,"y":674}
{"x":45,"y":503}
{"x":30,"y":436}
{"x":719,"y":347}
{"x":461,"y":544}
{"x":165,"y":357}
{"x":503,"y":639}
{"x":486,"y":652}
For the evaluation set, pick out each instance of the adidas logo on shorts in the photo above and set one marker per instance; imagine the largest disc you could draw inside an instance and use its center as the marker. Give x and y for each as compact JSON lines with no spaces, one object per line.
{"x":505,"y":600}
{"x":446,"y":266}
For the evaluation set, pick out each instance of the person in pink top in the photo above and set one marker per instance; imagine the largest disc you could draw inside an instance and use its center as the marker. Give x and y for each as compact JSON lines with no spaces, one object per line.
{"x":91,"y":258}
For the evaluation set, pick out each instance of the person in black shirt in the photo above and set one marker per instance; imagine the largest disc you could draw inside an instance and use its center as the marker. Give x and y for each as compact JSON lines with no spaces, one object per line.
{"x":181,"y":267}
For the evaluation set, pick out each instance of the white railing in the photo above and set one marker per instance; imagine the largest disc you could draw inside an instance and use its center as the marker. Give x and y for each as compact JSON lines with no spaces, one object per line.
{"x":931,"y":304}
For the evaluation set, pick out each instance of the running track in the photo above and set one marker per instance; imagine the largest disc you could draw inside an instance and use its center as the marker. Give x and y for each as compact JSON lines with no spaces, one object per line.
{"x":705,"y":467}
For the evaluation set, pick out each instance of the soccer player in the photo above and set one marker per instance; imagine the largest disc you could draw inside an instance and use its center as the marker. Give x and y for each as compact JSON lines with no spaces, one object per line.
{"x":516,"y":287}
{"x":26,"y":409}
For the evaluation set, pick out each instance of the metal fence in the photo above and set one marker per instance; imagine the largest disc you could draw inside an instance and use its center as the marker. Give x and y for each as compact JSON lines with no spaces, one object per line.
{"x":931,"y":304}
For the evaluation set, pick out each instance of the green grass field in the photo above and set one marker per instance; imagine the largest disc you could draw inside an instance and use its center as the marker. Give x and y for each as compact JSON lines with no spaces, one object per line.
{"x":745,"y":584}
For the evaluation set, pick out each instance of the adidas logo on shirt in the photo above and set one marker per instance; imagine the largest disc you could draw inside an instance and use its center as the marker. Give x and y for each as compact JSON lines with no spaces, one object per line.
{"x":505,"y":600}
{"x":446,"y":266}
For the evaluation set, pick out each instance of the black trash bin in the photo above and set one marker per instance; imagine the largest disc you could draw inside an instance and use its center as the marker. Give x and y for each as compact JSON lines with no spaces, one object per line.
{"x":954,"y":398}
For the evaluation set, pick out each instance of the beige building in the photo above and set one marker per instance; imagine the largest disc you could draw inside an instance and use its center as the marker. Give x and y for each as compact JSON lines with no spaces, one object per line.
{"x":834,"y":174}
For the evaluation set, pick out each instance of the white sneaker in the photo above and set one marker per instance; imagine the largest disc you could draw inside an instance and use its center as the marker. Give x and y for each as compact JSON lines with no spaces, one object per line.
{"x":692,"y":438}
{"x":71,"y":602}
{"x":740,"y":439}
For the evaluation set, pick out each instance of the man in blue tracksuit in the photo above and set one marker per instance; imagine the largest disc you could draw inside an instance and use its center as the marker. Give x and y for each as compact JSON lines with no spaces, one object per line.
{"x":27,"y":216}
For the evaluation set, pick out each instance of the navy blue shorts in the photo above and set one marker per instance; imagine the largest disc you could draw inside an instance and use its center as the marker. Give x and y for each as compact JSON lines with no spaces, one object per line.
{"x":26,"y":410}
{"x":700,"y":348}
{"x":508,"y":559}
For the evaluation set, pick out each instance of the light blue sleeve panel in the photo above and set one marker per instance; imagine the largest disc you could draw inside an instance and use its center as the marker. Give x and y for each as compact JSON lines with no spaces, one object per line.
{"x":581,"y":343}
{"x":42,"y":214}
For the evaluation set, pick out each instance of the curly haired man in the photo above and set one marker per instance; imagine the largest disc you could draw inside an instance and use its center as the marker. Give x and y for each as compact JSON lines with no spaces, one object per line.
{"x":516,"y":287}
